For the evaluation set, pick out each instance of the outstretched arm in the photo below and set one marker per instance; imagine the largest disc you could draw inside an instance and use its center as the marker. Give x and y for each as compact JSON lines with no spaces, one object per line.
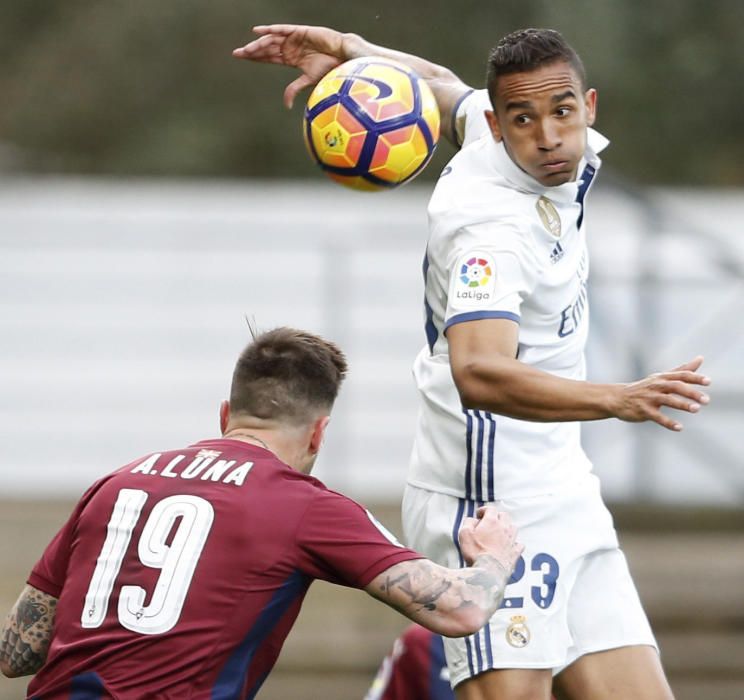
{"x":455,"y":602}
{"x":488,"y":377}
{"x":316,"y":50}
{"x":25,"y":637}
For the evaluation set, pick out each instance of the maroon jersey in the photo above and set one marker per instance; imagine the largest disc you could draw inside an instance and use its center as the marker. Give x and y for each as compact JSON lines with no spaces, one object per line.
{"x":416,"y":669}
{"x":181,"y":574}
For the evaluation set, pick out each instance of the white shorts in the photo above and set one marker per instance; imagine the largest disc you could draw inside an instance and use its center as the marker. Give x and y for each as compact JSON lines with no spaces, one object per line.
{"x":571,"y":592}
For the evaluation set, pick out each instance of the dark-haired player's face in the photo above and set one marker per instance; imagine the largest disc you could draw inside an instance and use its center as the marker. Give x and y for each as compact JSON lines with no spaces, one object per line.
{"x":542,"y":117}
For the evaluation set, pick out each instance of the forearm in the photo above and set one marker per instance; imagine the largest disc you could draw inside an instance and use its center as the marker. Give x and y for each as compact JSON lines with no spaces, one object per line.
{"x":512,"y":388}
{"x":452,"y":602}
{"x":317,"y":50}
{"x":24,"y":640}
{"x":445,"y":85}
{"x":355,"y":46}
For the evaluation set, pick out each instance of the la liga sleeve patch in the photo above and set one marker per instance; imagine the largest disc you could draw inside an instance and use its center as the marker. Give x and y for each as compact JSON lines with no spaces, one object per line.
{"x":473,"y":281}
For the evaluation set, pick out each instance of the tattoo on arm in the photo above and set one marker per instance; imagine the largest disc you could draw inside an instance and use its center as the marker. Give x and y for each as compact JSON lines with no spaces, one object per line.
{"x":420,"y":585}
{"x":425,"y":596}
{"x":25,"y":637}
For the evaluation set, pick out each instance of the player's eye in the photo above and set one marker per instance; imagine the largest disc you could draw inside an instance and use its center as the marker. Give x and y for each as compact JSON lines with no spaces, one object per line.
{"x":563,"y":111}
{"x":522,"y":119}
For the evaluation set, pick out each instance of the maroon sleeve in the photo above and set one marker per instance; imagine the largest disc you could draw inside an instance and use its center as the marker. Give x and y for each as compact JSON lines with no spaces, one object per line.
{"x":341,"y":542}
{"x":49,"y":573}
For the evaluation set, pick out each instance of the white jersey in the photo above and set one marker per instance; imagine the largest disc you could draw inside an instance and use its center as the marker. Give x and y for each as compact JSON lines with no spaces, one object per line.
{"x":501,"y":246}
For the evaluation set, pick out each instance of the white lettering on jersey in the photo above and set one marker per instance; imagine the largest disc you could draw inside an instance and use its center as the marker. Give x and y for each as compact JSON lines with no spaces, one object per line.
{"x":202,"y":460}
{"x":237,"y":476}
{"x":216,"y":471}
{"x":168,"y":471}
{"x":144,"y":467}
{"x":201,"y":466}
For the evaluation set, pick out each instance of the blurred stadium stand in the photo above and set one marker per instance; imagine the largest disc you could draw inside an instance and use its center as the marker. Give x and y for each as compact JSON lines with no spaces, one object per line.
{"x":123,"y":305}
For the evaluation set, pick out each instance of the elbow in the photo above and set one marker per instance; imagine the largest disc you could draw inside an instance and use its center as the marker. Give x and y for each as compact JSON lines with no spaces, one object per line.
{"x":443,"y":75}
{"x":465,"y":377}
{"x":7,"y":670}
{"x":474,"y":392}
{"x":469,"y":396}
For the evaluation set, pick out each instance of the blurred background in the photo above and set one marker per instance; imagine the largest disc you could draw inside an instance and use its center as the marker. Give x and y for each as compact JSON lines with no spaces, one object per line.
{"x":155,"y":194}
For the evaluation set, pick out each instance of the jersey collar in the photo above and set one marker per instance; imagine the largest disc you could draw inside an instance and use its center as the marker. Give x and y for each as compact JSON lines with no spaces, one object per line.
{"x":566,"y":192}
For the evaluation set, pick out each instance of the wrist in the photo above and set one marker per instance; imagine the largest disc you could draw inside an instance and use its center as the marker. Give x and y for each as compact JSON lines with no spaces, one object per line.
{"x":493,"y":565}
{"x":353,"y":46}
{"x":612,"y":400}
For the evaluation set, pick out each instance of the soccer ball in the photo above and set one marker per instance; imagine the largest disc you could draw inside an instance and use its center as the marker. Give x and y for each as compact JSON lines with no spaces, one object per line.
{"x":371,"y":124}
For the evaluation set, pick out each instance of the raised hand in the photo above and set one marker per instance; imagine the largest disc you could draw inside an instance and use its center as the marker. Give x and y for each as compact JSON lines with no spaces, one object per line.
{"x":313,"y":50}
{"x":678,"y":388}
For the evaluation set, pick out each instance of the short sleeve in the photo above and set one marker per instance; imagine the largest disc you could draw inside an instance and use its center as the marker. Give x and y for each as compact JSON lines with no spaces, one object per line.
{"x":343,"y":543}
{"x":492,"y":271}
{"x":50,"y":572}
{"x":467,"y":117}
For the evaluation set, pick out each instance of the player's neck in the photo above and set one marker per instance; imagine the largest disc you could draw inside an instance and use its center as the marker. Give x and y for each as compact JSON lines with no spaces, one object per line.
{"x":282,"y":446}
{"x":250,"y":437}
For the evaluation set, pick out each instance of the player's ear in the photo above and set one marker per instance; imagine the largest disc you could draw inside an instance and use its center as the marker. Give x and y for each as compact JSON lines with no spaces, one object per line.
{"x":224,"y":415}
{"x":318,"y":434}
{"x":590,"y":101}
{"x":493,"y":124}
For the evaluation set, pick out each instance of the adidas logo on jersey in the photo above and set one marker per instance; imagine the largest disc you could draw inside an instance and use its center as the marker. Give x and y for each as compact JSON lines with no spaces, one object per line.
{"x":557,"y":253}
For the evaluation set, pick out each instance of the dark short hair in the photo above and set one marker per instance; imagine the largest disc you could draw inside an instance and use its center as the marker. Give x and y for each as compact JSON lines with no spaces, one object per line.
{"x":527,"y":50}
{"x":287,"y":375}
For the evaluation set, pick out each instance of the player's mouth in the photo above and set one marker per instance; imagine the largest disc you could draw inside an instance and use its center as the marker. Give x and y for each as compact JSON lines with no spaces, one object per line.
{"x":555,"y":166}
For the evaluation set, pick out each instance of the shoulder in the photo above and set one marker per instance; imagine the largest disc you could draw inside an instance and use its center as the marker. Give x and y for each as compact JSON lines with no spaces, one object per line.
{"x":469,"y":189}
{"x":480,"y":212}
{"x":330,"y":501}
{"x":469,"y":122}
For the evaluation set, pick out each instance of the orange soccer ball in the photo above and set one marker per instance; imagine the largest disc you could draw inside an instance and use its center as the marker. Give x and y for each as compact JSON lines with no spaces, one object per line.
{"x":371,"y":124}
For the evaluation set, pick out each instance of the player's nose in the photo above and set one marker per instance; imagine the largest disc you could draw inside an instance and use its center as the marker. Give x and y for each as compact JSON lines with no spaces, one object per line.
{"x":548,"y":135}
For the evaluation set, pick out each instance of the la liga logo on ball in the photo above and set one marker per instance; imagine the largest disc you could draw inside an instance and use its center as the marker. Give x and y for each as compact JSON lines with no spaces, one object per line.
{"x":371,"y":124}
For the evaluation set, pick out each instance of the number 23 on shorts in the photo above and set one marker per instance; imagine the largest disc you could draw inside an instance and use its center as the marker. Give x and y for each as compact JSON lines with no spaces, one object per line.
{"x":544,"y":579}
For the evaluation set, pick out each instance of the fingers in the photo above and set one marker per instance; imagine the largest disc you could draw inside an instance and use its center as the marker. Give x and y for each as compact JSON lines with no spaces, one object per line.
{"x":294,"y":88}
{"x":265,"y":49}
{"x":665,"y":421}
{"x":683,"y":389}
{"x":516,"y":552}
{"x":671,"y":401}
{"x":692,"y":365}
{"x":490,"y":518}
{"x":490,"y":532}
{"x":491,"y":513}
{"x":467,"y":538}
{"x":684,"y":376}
{"x":280,"y":29}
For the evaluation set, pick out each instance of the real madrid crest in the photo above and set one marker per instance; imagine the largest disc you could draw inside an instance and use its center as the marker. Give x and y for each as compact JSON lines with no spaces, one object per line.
{"x":517,"y":633}
{"x":549,"y":216}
